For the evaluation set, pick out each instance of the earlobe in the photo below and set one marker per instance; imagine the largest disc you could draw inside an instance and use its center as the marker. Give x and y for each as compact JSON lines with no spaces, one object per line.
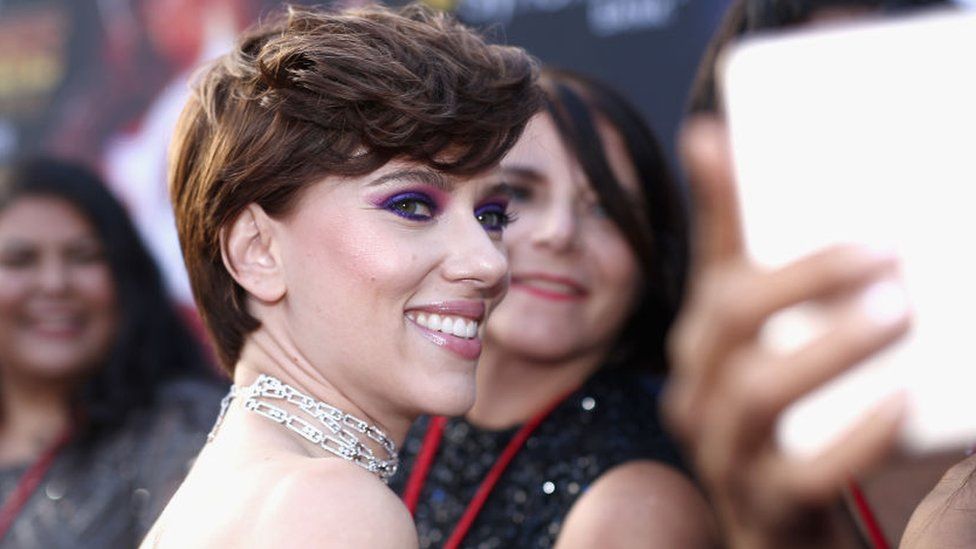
{"x":248,"y":250}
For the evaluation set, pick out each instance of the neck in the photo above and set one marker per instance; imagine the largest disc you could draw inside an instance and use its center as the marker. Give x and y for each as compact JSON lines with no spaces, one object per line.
{"x":264,"y":353}
{"x":33,"y":414}
{"x":512,"y":387}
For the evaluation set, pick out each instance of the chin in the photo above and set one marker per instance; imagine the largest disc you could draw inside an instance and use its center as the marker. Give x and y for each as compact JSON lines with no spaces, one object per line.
{"x":452,"y":395}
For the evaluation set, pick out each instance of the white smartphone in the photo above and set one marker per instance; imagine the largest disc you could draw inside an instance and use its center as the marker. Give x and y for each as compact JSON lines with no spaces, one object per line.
{"x":866,"y":133}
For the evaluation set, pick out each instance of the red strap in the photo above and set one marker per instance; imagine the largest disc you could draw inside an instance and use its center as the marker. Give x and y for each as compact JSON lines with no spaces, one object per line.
{"x":428,"y":452}
{"x":29,"y":482}
{"x":425,"y":460}
{"x":871,"y":526}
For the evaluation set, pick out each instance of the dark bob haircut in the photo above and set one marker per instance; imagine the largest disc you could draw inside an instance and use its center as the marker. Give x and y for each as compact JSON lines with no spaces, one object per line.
{"x":152,"y":345}
{"x":655,"y":227}
{"x":745,"y":17}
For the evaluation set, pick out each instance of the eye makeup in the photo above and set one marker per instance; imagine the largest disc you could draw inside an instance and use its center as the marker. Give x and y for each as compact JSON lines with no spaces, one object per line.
{"x":413,"y":205}
{"x":494,"y":215}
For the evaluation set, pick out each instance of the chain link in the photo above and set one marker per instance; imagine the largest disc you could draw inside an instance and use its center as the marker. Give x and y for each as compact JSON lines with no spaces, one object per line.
{"x":339,"y":440}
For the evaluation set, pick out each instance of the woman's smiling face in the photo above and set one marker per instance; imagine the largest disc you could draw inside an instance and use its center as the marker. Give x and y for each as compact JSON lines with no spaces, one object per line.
{"x":575,"y":278}
{"x":390,"y":278}
{"x":58,"y":311}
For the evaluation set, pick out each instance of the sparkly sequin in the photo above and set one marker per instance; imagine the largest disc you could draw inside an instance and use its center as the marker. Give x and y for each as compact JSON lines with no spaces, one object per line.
{"x":612,"y":419}
{"x":107,"y":496}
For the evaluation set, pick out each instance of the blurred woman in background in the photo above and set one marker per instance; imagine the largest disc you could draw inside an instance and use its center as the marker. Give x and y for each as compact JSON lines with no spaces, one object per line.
{"x":563,"y":446}
{"x":104,"y":394}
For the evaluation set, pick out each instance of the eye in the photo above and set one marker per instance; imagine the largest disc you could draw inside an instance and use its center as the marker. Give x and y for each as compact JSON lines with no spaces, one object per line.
{"x":85,"y":254}
{"x":493,"y":217}
{"x":520,"y":193}
{"x":414,"y":206}
{"x":18,"y":258}
{"x":597,"y":210}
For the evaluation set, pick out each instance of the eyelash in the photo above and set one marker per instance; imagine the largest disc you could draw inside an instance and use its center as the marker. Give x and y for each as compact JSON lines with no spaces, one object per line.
{"x":400,"y":204}
{"x":505,"y":218}
{"x":397,"y":203}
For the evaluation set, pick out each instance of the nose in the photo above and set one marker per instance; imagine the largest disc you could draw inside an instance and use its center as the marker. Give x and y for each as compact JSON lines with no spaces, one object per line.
{"x":476,"y":258}
{"x":53,"y":277}
{"x":557,"y":225}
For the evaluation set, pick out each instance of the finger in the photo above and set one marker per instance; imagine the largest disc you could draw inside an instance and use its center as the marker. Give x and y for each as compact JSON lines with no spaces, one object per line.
{"x":717,"y":230}
{"x":820,"y":480}
{"x":729,"y":310}
{"x":732,"y":309}
{"x":761,"y":392}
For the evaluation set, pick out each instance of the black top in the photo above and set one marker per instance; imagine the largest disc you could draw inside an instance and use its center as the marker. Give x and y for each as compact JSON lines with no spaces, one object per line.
{"x":612,"y":419}
{"x":108,"y":496}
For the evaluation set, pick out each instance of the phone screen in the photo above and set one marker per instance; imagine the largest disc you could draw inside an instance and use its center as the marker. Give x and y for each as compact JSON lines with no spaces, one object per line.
{"x":866,"y":133}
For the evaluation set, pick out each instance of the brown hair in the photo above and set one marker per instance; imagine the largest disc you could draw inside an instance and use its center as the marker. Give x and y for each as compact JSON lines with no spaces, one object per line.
{"x":315,"y":93}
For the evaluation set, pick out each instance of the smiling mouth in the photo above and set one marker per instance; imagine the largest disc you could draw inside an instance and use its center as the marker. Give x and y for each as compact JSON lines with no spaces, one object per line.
{"x":55,"y":326}
{"x":550,"y":287}
{"x":456,"y":326}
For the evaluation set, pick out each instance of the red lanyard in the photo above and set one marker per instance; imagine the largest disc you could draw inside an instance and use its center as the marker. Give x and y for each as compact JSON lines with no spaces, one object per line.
{"x":29,"y":482}
{"x":868,"y":520}
{"x":428,"y":452}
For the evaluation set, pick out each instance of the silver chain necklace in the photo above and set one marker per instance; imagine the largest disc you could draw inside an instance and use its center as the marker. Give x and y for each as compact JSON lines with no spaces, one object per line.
{"x":340,"y":438}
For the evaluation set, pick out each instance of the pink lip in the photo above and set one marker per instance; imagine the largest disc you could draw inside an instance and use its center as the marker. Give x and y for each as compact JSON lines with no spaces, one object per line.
{"x":579,"y":292}
{"x":468,"y":349}
{"x":475,"y":310}
{"x":35,"y":322}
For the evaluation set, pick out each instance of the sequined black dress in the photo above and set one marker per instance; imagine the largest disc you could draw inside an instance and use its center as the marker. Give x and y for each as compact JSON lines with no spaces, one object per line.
{"x":108,"y":496}
{"x":612,"y":419}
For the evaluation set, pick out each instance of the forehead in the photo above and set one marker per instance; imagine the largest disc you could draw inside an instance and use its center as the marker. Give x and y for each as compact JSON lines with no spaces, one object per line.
{"x":407,"y":171}
{"x":39,"y":217}
{"x":400,"y":171}
{"x":541,"y":152}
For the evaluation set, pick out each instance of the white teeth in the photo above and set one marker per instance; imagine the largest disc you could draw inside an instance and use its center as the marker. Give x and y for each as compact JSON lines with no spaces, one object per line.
{"x":460,"y":328}
{"x":453,"y":325}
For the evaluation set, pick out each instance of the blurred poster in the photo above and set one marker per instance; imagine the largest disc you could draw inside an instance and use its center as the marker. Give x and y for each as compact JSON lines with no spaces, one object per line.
{"x":104,"y":80}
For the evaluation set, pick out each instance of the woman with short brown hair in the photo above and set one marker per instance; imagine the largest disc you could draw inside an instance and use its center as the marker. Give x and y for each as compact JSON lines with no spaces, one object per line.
{"x":335,"y":191}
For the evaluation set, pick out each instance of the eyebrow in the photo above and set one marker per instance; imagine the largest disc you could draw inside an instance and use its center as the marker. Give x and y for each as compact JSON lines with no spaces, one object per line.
{"x":429,"y":177}
{"x":523,"y":172}
{"x":502,"y":187}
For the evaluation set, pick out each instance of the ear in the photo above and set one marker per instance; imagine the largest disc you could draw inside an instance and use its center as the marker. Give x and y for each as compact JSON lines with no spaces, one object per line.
{"x":247,"y":247}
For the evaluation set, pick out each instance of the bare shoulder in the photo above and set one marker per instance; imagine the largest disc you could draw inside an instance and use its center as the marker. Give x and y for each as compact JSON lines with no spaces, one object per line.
{"x":332,"y":503}
{"x":640,"y":503}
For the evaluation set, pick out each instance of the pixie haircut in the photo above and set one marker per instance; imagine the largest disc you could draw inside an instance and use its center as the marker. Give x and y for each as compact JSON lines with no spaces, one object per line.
{"x":654,"y":222}
{"x":313,"y":93}
{"x":745,"y":17}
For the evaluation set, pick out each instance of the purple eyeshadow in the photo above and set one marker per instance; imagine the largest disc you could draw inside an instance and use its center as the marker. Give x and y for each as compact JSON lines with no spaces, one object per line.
{"x":397,"y":202}
{"x":493,"y":216}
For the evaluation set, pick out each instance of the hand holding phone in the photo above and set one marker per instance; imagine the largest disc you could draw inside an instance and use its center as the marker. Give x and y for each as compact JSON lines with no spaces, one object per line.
{"x":866,"y":134}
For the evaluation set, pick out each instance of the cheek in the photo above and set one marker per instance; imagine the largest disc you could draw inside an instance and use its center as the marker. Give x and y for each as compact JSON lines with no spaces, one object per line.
{"x":96,"y":287}
{"x":353,"y":270}
{"x":618,"y":270}
{"x":14,"y":288}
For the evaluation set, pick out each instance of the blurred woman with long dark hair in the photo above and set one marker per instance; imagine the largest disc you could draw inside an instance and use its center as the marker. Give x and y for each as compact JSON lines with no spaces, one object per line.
{"x":104,"y":393}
